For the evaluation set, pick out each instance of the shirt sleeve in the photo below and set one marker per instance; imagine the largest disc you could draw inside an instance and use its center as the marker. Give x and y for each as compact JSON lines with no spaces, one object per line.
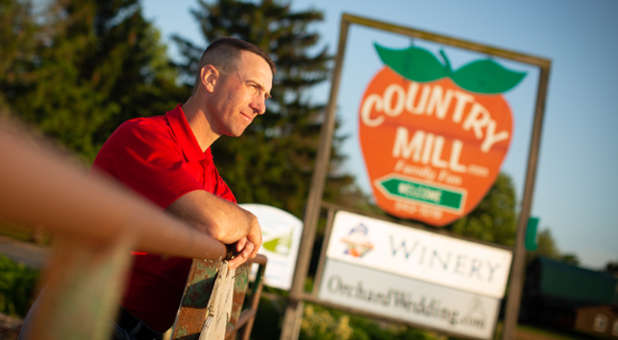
{"x":146,"y":159}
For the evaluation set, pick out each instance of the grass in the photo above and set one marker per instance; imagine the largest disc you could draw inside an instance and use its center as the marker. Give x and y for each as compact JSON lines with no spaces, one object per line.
{"x":550,"y":333}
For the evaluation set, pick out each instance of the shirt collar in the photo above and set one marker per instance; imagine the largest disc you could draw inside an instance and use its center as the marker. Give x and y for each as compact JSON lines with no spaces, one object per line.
{"x":184,"y":135}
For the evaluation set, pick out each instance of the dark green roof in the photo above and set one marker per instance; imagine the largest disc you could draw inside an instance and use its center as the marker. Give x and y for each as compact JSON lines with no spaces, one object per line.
{"x":565,"y":281}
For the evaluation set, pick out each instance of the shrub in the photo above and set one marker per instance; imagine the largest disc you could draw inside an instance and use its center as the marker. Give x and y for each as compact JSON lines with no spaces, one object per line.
{"x":318,"y":323}
{"x":17,"y":285}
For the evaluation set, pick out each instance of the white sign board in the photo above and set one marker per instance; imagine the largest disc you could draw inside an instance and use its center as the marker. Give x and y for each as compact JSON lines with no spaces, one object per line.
{"x":281,"y":232}
{"x":418,"y":254}
{"x":409,"y":300}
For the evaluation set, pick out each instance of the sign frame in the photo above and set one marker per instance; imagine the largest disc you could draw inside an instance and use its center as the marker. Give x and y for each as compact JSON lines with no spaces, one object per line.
{"x":293,"y":314}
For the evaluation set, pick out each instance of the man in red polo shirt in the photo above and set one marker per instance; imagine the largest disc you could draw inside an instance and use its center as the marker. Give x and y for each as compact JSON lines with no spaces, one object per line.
{"x":167,"y":160}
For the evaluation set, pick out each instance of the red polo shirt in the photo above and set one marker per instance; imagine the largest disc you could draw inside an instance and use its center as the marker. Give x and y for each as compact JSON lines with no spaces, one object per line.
{"x":160,"y":159}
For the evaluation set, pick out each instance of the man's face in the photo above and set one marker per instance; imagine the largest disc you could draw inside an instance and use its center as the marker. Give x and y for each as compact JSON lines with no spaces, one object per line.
{"x":240,"y":94}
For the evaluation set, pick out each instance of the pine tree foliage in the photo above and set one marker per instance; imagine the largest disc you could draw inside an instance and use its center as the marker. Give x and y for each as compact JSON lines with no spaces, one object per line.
{"x":18,"y":40}
{"x":272,"y":163}
{"x":95,"y":64}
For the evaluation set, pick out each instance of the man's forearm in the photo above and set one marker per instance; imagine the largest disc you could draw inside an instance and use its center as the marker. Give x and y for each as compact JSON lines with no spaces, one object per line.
{"x":221,"y":219}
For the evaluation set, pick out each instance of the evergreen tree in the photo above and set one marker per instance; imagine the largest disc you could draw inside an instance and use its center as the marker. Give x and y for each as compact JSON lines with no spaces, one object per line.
{"x":97,"y":63}
{"x":273,"y":162}
{"x":18,"y":34}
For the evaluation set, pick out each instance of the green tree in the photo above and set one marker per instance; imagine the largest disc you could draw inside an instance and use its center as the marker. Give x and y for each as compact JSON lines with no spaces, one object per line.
{"x":18,"y":34}
{"x":494,"y":219}
{"x":612,"y":267}
{"x":570,"y":259}
{"x":97,"y":63}
{"x":273,"y":162}
{"x":546,"y":245}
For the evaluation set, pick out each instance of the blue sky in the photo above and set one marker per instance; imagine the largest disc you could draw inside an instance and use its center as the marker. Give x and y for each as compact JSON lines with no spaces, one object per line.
{"x":576,"y":181}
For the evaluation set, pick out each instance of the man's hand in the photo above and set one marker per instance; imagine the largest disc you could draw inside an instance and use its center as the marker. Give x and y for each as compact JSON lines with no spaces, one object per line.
{"x":248,"y":246}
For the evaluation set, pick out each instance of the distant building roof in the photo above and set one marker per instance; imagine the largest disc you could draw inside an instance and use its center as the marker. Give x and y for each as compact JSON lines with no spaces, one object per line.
{"x":568,"y":282}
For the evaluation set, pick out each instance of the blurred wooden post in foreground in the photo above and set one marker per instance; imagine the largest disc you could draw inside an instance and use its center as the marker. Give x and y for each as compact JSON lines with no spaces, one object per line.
{"x":95,"y":223}
{"x":82,"y":288}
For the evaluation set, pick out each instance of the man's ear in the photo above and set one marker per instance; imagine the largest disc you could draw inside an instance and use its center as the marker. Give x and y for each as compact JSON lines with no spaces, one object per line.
{"x":209,"y":75}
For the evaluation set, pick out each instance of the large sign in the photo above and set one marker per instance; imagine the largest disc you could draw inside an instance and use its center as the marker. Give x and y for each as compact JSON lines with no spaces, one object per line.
{"x":433,"y":138}
{"x":281,"y":237}
{"x":408,"y":300}
{"x":418,"y":254}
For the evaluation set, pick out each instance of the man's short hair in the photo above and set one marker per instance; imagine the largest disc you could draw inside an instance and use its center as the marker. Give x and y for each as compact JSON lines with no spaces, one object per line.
{"x":224,"y":52}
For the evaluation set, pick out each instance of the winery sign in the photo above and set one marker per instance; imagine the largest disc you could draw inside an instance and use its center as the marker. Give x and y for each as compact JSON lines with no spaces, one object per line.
{"x":414,"y":276}
{"x":434,"y":138}
{"x":418,"y":254}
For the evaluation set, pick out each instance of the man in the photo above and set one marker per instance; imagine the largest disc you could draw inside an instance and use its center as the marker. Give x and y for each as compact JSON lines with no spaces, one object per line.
{"x":167,"y":159}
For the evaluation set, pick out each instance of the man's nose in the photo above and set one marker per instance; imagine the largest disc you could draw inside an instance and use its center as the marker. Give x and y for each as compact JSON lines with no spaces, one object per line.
{"x":259,"y":105}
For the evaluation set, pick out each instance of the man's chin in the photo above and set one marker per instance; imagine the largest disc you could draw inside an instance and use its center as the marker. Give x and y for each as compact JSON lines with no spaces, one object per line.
{"x":235,"y":133}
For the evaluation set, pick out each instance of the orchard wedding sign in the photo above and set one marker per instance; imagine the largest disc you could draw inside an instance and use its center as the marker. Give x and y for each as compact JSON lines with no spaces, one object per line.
{"x":434,"y":138}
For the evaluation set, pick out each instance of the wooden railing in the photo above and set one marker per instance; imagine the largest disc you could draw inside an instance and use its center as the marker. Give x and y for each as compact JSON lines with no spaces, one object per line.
{"x":95,"y":224}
